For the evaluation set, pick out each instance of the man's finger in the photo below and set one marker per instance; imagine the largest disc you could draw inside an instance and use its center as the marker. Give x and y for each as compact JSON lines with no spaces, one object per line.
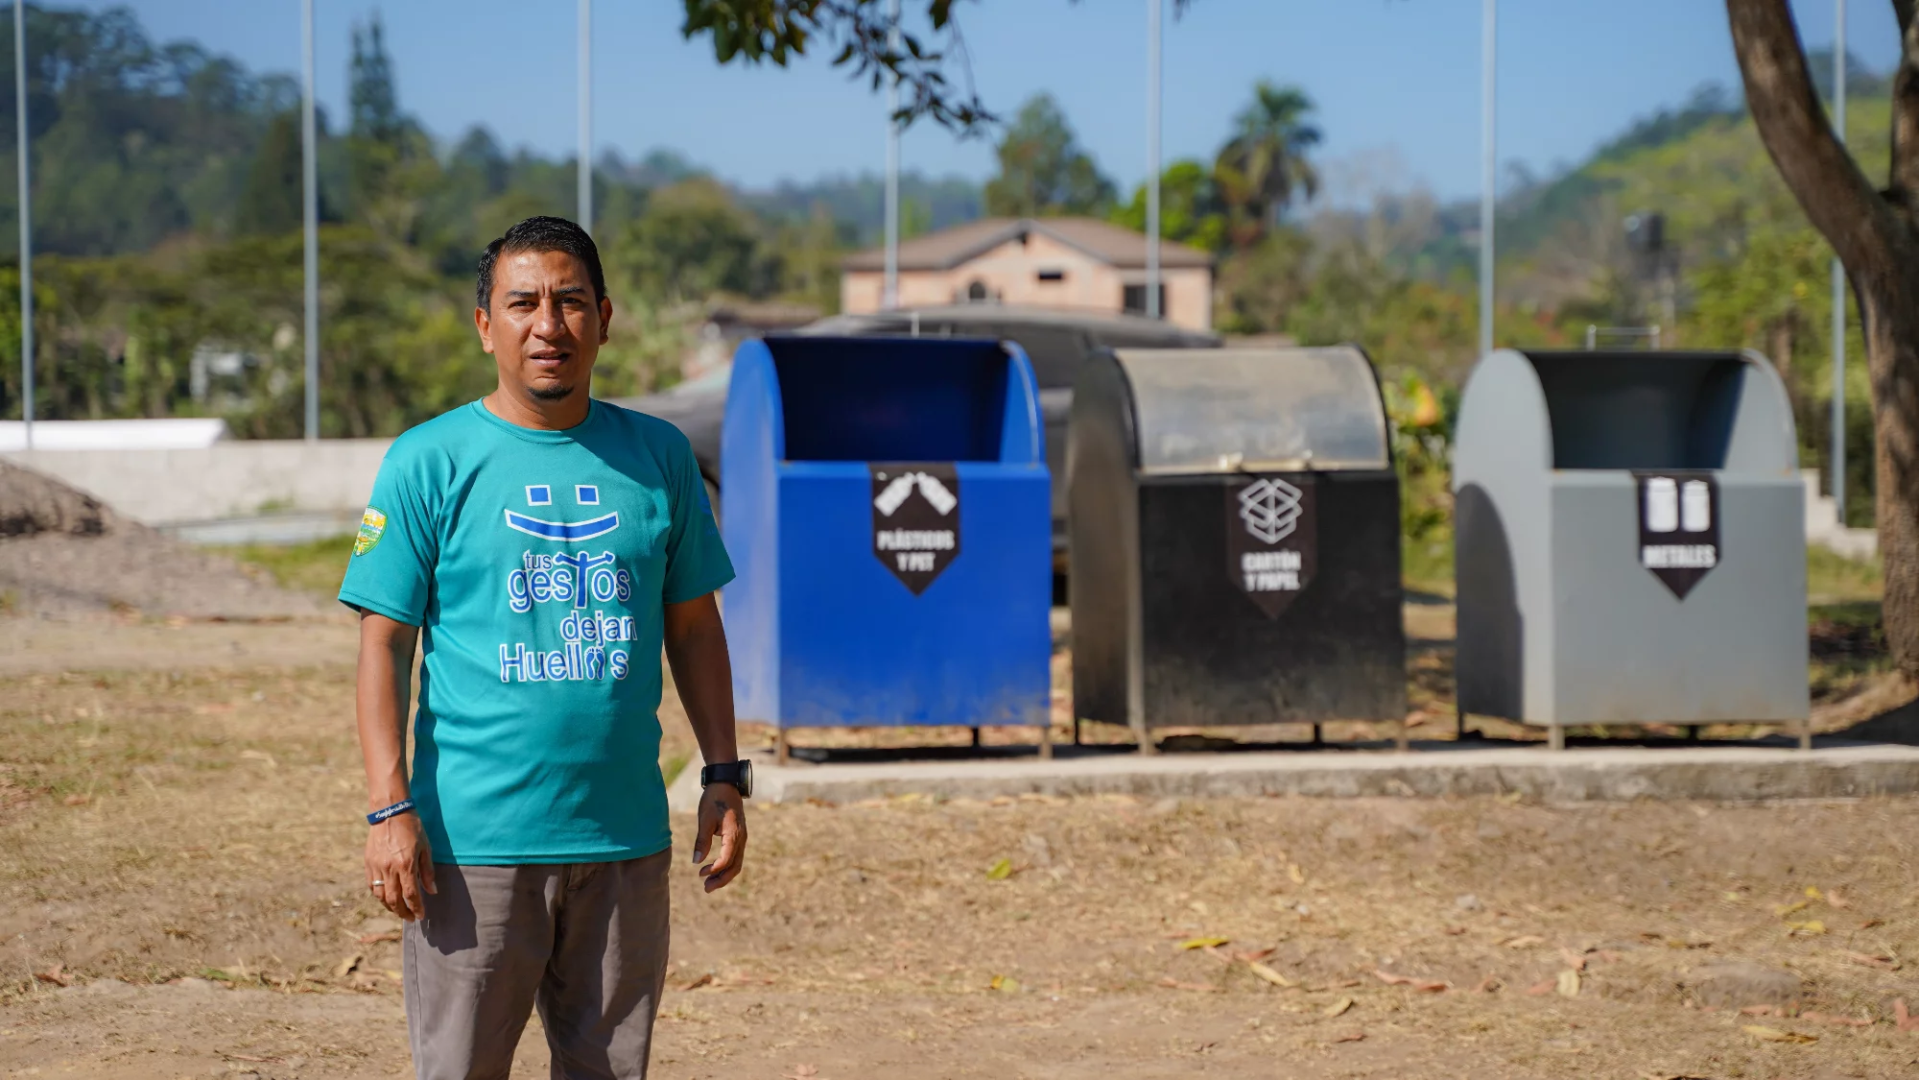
{"x":410,"y":892}
{"x":723,"y":857}
{"x":426,"y":874}
{"x":390,"y":891}
{"x":703,"y":835}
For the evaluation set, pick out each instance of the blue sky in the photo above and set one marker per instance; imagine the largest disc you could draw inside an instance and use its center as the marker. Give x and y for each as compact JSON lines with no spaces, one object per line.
{"x":1396,"y":81}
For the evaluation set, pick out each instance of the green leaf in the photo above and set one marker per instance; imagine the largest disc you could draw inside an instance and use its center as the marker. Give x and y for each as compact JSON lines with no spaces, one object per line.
{"x":1000,"y":870}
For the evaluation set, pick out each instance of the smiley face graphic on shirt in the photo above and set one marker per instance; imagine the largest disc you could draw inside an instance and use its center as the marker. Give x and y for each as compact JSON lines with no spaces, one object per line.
{"x":565,"y":532}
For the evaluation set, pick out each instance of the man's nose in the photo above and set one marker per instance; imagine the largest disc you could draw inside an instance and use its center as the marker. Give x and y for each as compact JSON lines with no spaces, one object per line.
{"x":551,"y":322}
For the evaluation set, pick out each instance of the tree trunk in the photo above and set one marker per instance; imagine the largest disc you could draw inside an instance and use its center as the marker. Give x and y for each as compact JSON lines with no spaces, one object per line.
{"x":1874,"y":234}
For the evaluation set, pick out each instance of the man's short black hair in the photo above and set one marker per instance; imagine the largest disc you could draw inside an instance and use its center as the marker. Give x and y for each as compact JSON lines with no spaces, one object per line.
{"x":540,"y":234}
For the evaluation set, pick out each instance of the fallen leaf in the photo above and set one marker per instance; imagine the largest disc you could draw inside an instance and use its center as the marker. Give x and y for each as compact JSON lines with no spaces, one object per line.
{"x":1351,"y":1036}
{"x":1203,"y":943}
{"x":57,"y":975}
{"x":1883,"y":963}
{"x":1257,"y":954}
{"x":231,"y":1056}
{"x":1870,"y":923}
{"x":1835,"y":900}
{"x":1760,"y":1010}
{"x":1005,"y":984}
{"x":1453,"y":931}
{"x":1809,"y":928}
{"x":396,"y":976}
{"x":1901,"y":1019}
{"x":1568,"y":983}
{"x":1293,"y":871}
{"x":373,"y":939}
{"x":1000,"y":870}
{"x":260,"y":756}
{"x":1575,"y":961}
{"x":1174,"y":984}
{"x":1487,"y":985}
{"x":1337,"y":1008}
{"x":346,"y":967}
{"x":1270,"y":975}
{"x":1426,"y":985}
{"x":703,"y":979}
{"x":1783,"y":910}
{"x":1524,"y":941}
{"x":1508,"y":798}
{"x":1539,"y":988}
{"x":1813,"y":893}
{"x":1770,"y":1034}
{"x":78,"y":800}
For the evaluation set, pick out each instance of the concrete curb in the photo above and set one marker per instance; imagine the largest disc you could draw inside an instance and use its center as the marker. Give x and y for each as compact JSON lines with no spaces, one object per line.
{"x":1612,"y":774}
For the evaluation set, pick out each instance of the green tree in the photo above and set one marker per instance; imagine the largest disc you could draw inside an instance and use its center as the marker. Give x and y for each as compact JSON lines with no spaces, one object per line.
{"x":271,"y":202}
{"x":1043,"y":172}
{"x":1264,"y":164}
{"x":1190,"y":211}
{"x":692,"y":242}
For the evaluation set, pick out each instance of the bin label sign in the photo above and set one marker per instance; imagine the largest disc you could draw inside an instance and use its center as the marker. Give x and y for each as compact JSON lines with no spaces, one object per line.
{"x":1272,"y":545}
{"x":916,"y":519}
{"x":1678,"y":527}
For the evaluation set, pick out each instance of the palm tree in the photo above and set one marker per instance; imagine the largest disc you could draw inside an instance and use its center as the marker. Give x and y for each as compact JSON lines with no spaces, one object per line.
{"x":1264,"y":163}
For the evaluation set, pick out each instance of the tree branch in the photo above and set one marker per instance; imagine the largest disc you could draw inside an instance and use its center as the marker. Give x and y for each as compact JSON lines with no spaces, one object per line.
{"x":1835,"y":196}
{"x":1905,"y":109}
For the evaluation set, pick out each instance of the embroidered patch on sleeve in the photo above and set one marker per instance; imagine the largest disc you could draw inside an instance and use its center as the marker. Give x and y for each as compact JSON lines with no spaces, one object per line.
{"x":372,"y":527}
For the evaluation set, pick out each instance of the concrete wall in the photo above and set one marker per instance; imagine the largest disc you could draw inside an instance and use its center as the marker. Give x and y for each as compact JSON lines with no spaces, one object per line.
{"x":225,"y":480}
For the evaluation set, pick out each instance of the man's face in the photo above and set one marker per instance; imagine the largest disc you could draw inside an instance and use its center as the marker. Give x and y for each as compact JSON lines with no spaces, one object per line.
{"x":544,"y":329}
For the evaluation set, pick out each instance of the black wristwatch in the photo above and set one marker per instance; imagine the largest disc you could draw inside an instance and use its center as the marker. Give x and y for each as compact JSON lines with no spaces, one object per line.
{"x":737,"y":773}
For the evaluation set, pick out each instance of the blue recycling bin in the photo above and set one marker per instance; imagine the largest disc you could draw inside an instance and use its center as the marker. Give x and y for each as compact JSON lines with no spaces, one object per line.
{"x":886,"y":503}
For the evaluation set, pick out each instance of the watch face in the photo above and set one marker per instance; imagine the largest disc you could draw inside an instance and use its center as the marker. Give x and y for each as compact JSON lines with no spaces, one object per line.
{"x":746,"y":779}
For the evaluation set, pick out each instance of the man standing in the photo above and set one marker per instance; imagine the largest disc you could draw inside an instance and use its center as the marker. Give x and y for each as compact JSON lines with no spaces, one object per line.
{"x":549,"y":545}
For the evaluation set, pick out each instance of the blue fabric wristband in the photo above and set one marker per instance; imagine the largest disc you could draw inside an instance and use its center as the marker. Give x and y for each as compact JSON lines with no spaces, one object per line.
{"x":395,"y":810}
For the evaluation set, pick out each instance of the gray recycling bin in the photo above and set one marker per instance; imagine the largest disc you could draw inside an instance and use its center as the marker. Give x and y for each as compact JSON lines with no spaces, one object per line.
{"x":1234,"y":524}
{"x":1630,"y":541}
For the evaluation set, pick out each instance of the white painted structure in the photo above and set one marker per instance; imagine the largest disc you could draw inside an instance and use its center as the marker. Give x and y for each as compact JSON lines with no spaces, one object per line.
{"x":168,"y":434}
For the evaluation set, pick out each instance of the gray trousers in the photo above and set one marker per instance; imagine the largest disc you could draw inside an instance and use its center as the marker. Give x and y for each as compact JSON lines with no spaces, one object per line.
{"x":585,"y":942}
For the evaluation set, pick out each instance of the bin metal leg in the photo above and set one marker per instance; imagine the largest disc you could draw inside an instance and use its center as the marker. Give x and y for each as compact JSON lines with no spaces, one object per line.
{"x":1046,"y":740}
{"x":1319,"y":736}
{"x":1805,"y":733}
{"x":1556,"y":737}
{"x":1401,"y":741}
{"x":974,"y":732}
{"x":781,"y":749}
{"x":1075,"y":731}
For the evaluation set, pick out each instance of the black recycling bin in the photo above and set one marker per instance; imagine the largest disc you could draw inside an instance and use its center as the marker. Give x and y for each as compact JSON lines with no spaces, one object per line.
{"x":1234,"y":523}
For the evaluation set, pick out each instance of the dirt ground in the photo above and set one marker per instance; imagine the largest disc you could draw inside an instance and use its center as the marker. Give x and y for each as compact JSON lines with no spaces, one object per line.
{"x":180,"y":896}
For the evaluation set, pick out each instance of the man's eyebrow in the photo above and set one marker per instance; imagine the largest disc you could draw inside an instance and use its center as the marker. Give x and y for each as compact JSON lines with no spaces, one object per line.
{"x":564,"y":290}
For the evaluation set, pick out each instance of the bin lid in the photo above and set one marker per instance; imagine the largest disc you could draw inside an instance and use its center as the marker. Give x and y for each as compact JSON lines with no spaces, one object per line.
{"x":1260,"y":410}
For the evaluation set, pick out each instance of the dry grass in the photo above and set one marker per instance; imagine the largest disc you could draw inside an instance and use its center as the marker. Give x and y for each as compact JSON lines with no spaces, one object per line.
{"x":154,"y":826}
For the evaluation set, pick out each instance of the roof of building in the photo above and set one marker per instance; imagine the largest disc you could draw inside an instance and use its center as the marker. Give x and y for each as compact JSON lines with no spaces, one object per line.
{"x":1112,"y":244}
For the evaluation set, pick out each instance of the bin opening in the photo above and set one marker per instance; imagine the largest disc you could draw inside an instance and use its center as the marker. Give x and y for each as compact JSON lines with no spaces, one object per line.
{"x":1214,"y":410}
{"x":891,"y":399}
{"x":1621,"y":410}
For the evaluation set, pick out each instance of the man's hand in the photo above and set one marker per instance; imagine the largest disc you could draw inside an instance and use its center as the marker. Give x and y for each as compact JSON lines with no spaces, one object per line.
{"x":399,"y":865}
{"x":722,"y":815}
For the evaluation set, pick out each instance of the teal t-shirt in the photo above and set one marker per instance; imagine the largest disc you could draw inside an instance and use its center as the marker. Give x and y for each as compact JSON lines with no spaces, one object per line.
{"x":538,"y":564}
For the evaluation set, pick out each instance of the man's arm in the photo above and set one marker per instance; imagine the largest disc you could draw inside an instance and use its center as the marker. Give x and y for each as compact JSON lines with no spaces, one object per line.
{"x":696,"y":651}
{"x":399,"y":864}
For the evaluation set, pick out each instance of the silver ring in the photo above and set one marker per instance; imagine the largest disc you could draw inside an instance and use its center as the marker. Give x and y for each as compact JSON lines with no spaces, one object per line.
{"x":376,"y":881}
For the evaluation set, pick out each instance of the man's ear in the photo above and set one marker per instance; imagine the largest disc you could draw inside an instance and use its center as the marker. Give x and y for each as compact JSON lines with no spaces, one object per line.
{"x":484,"y":324}
{"x":606,"y":317}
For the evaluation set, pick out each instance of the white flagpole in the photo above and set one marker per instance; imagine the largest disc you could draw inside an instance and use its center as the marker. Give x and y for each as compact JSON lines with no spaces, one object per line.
{"x":26,"y":218}
{"x":1154,"y":16}
{"x":1839,"y":290}
{"x":586,"y":116}
{"x":1488,"y":167}
{"x":310,"y":223}
{"x":890,"y":291}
